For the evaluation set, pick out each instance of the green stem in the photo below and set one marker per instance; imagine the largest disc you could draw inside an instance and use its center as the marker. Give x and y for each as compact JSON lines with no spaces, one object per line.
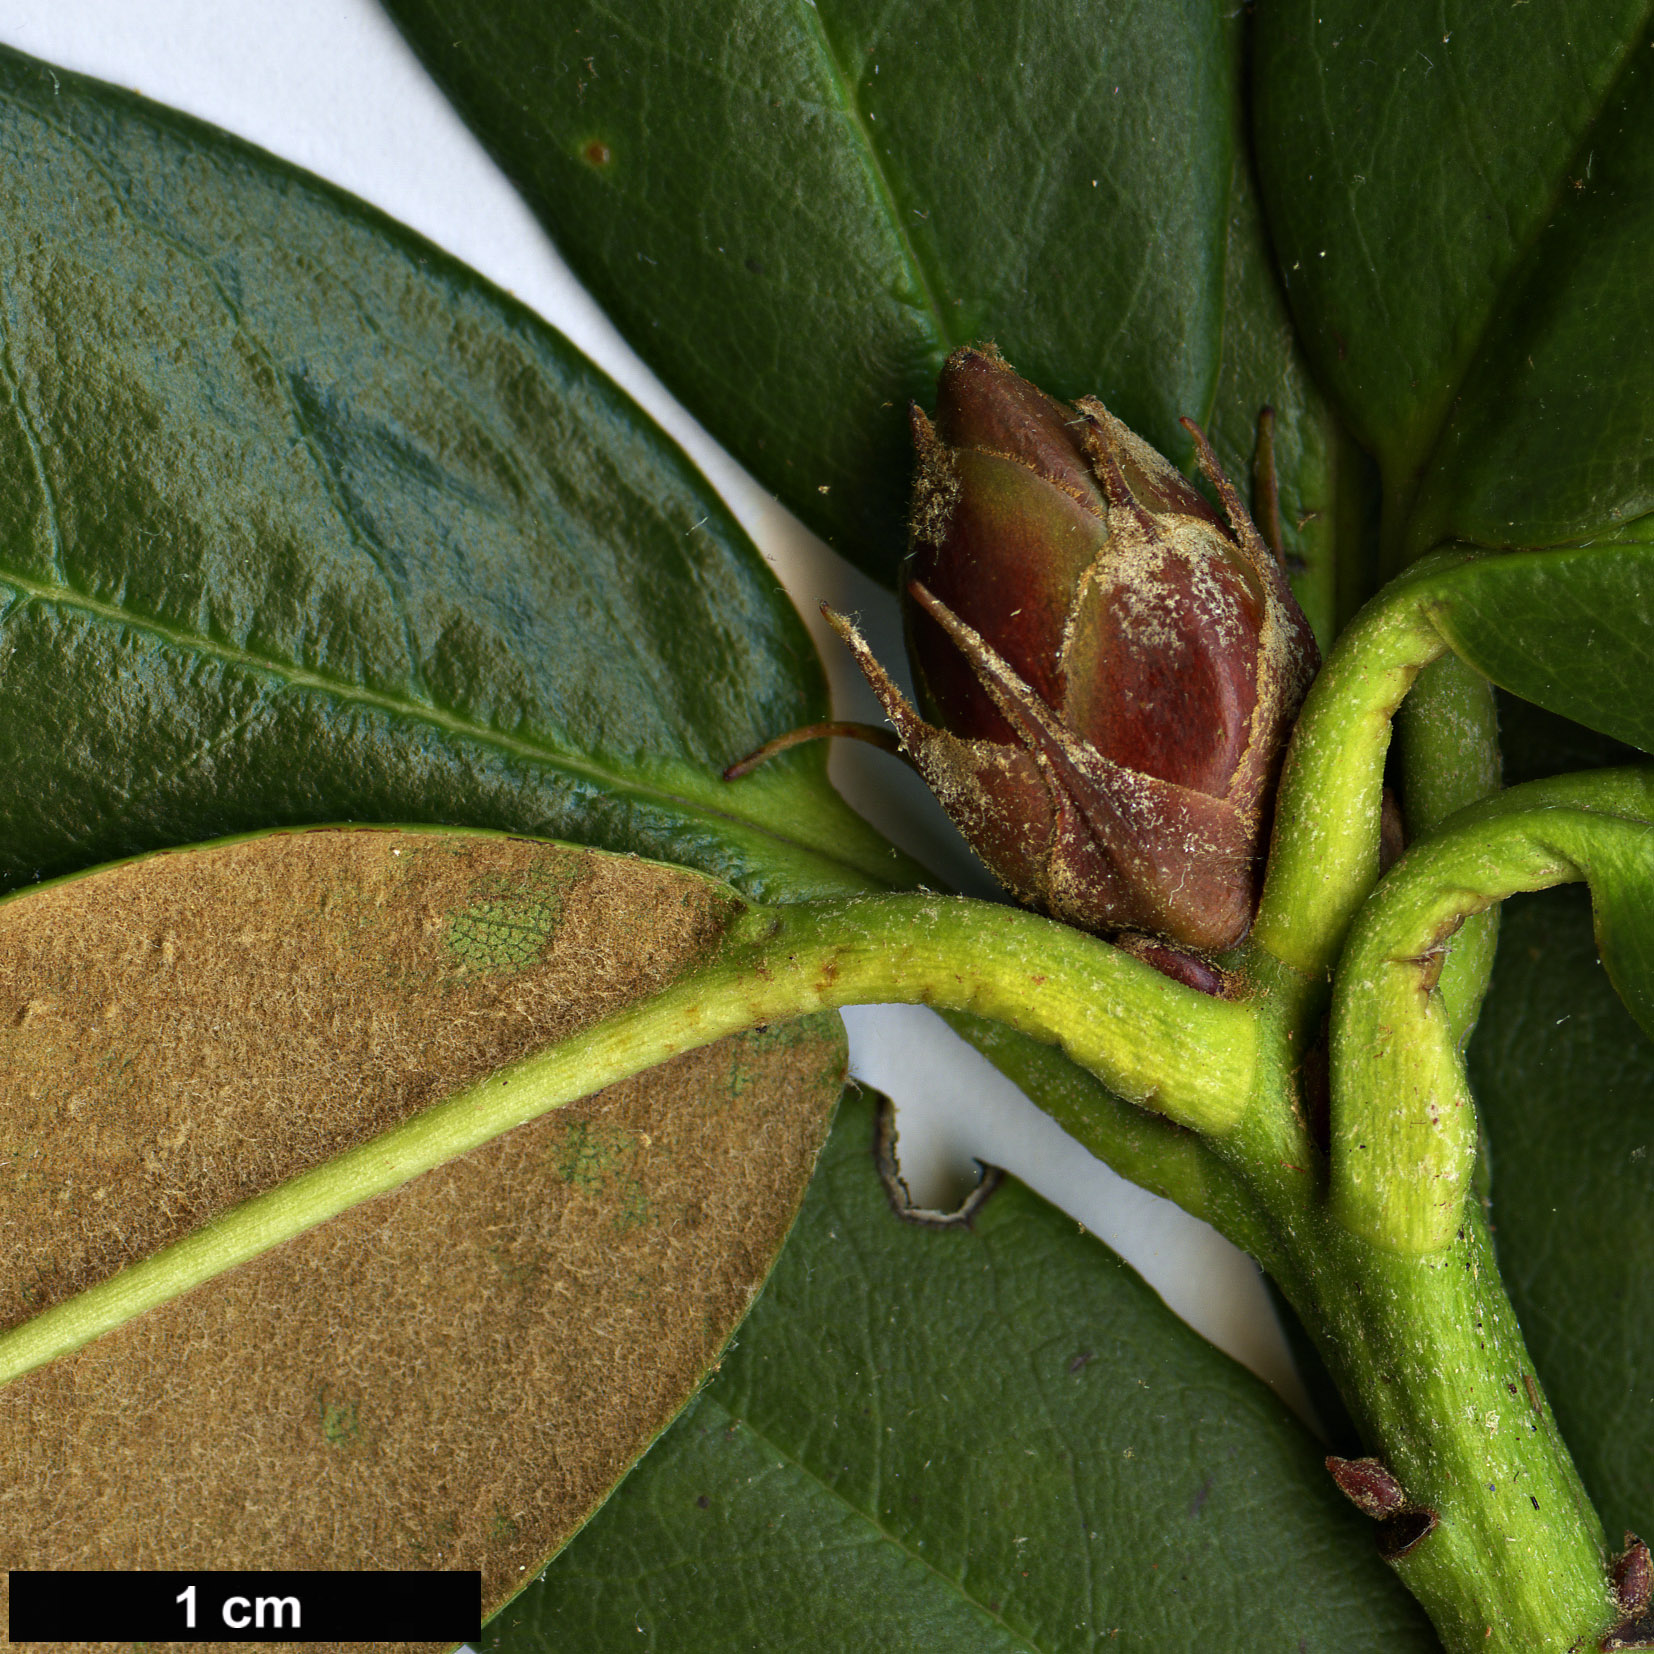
{"x":1428,"y":1355}
{"x":1448,"y":728}
{"x":1199,"y":1173}
{"x":1385,"y":1254}
{"x":1166,"y":1159}
{"x":1404,"y":1125}
{"x":1448,"y":731}
{"x":1375,"y":1242}
{"x":1324,"y":856}
{"x":1406,"y":1299}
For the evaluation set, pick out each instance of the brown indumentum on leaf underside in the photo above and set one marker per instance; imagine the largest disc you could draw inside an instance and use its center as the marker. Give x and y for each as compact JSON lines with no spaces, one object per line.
{"x":1109,"y":671}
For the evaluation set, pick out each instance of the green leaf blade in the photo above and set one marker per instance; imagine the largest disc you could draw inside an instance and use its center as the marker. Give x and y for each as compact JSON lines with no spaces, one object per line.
{"x":1564,"y":1080}
{"x":1550,"y":437}
{"x":1571,"y":630}
{"x":1261,"y":365}
{"x":1410,"y":161}
{"x":793,"y":215}
{"x":1022,"y":1446}
{"x":310,"y":522}
{"x":669,"y":1573}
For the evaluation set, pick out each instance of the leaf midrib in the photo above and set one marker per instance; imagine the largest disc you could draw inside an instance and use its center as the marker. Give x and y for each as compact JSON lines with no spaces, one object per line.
{"x":1414,"y":471}
{"x":676,"y":793}
{"x":842,"y":87}
{"x":883,"y":189}
{"x":789,"y":1457}
{"x":291,"y":675}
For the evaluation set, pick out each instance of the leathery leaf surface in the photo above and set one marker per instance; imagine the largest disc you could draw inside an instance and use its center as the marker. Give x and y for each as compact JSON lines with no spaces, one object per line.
{"x":451,"y":1375}
{"x":1564,"y":1080}
{"x":1461,"y":198}
{"x":795,"y":211}
{"x":992,"y":1439}
{"x":301,"y":520}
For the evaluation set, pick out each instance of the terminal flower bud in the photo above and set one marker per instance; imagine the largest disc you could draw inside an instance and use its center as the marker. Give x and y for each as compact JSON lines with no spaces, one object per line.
{"x":1108,"y":669}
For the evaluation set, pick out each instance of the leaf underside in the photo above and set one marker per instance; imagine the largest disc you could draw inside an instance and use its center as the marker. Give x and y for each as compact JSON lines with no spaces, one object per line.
{"x":306,"y":521}
{"x":452,"y":1375}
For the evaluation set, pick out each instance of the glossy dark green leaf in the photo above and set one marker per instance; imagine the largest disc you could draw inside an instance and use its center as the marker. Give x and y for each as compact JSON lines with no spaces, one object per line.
{"x":794,"y":212}
{"x":1623,"y":919}
{"x":1462,"y":200}
{"x":993,"y":1438}
{"x":1320,"y":479}
{"x":1538,"y":743}
{"x":303,"y":520}
{"x":1565,"y":1081}
{"x":1571,"y":630}
{"x":1552,"y":434}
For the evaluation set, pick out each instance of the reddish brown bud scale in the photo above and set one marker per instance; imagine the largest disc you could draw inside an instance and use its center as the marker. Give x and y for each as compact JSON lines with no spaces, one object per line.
{"x":1369,"y":1485}
{"x":1633,"y":1577}
{"x":1108,"y":672}
{"x":1188,"y":968}
{"x":1399,"y":1536}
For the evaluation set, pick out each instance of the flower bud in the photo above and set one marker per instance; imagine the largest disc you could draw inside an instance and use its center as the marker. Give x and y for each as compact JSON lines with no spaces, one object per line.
{"x":1109,"y":670}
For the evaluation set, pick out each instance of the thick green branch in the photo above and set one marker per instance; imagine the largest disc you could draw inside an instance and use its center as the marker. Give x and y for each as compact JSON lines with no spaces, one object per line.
{"x":1393,"y":1271}
{"x":1448,"y":730}
{"x":1404,"y":1126}
{"x":1182,"y":1054}
{"x":1166,"y":1159}
{"x":1324,"y":857}
{"x":1428,"y":1355}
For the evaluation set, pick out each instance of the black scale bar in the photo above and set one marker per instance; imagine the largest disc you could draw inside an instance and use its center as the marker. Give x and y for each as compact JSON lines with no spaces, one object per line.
{"x":84,"y":1605}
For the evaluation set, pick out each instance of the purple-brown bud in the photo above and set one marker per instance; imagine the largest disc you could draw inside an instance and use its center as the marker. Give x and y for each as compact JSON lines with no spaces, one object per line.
{"x":1110,"y":671}
{"x":1369,"y":1484}
{"x":1632,"y":1576}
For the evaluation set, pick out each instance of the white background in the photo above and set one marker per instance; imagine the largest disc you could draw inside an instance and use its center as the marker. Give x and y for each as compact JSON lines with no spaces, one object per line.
{"x":331,"y":86}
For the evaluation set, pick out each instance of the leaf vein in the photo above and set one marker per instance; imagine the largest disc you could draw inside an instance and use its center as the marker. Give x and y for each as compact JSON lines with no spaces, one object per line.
{"x":331,"y":482}
{"x":37,"y":458}
{"x":928,"y":287}
{"x":787,"y":1456}
{"x":1522,"y":259}
{"x":290,"y":676}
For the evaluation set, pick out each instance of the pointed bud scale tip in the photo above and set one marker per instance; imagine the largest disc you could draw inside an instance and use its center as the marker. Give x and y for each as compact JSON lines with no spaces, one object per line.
{"x":1632,"y":1575}
{"x":1369,"y":1485}
{"x":1108,"y":669}
{"x":982,"y":405}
